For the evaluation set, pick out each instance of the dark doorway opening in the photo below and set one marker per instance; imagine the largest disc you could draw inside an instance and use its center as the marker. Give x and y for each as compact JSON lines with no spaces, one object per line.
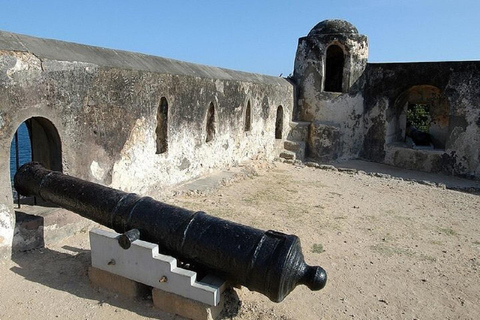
{"x":36,"y":139}
{"x":334,"y":65}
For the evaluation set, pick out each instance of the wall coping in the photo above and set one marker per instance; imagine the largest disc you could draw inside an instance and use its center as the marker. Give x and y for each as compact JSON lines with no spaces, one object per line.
{"x":48,"y":49}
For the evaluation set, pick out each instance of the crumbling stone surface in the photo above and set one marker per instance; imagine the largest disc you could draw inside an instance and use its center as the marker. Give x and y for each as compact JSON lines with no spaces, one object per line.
{"x":459,"y":86}
{"x":310,"y":65}
{"x":324,"y":142}
{"x":94,"y":114}
{"x":369,"y":111}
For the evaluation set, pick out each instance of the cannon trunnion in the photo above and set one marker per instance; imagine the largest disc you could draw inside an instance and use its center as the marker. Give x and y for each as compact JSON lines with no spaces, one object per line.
{"x":268,"y":262}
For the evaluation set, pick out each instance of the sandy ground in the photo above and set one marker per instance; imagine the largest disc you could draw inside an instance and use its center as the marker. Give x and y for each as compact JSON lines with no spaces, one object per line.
{"x":393,"y":249}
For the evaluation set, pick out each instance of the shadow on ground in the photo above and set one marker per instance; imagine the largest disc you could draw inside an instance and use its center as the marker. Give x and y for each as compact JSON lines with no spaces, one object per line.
{"x":69,"y":272}
{"x":450,"y":182}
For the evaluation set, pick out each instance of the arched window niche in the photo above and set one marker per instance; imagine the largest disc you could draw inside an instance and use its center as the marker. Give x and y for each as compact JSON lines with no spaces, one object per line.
{"x":334,"y":66}
{"x":210,"y":127}
{"x":248,"y":118}
{"x":279,"y":123}
{"x":162,"y":126}
{"x":422,"y":108}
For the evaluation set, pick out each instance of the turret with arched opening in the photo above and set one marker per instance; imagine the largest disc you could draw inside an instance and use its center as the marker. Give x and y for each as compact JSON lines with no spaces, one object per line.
{"x":329,"y":60}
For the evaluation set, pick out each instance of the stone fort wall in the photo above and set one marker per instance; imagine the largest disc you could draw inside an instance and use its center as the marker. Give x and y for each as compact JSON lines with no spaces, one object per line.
{"x":127,"y":120}
{"x":359,"y":109}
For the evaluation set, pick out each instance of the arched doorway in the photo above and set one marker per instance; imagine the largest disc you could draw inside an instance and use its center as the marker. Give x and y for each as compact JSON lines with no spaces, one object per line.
{"x":334,"y":64}
{"x":279,"y":123}
{"x":36,"y":139}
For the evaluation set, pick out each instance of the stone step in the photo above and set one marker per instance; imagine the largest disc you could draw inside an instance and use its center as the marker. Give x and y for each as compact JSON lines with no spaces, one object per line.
{"x":43,"y":225}
{"x":287,"y":155}
{"x":293,"y":145}
{"x":298,"y":147}
{"x":298,"y":131}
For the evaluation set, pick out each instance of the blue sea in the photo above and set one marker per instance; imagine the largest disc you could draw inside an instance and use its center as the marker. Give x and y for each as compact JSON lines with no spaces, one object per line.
{"x":24,"y":150}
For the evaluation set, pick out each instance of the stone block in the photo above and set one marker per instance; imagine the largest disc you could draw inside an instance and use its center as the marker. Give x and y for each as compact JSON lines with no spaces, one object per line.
{"x":291,"y":145}
{"x":298,"y":130}
{"x":40,"y":226}
{"x":296,"y":146}
{"x":185,"y":307}
{"x":118,"y":284}
{"x":414,"y":159}
{"x":324,"y":142}
{"x":288,"y":155}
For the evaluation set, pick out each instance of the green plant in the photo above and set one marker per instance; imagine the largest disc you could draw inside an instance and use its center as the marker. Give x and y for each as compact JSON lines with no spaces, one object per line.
{"x":418,"y":115}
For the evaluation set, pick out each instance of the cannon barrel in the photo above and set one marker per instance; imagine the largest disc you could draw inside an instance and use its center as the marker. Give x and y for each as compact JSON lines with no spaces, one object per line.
{"x":268,"y":262}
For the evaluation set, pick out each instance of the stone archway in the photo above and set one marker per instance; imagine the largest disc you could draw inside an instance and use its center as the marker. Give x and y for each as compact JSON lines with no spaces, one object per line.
{"x":29,"y":213}
{"x":432,"y":102}
{"x":43,"y":141}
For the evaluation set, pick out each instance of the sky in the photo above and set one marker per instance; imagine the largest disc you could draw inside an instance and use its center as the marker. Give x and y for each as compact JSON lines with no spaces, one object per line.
{"x":253,"y":36}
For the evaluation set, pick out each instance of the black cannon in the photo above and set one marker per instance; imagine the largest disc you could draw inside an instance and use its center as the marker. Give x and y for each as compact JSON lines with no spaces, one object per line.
{"x":268,"y":262}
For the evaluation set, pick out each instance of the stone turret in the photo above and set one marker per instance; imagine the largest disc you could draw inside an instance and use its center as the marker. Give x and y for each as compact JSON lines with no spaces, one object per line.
{"x":329,"y":60}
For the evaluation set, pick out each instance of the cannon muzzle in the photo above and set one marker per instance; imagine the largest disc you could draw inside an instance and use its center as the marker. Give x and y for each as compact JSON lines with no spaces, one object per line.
{"x":268,"y":262}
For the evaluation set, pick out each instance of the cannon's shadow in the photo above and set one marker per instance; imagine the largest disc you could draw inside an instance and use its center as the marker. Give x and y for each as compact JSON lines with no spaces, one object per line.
{"x":69,"y":272}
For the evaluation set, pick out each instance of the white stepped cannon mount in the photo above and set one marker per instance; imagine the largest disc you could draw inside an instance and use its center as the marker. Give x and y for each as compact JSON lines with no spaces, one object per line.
{"x":144,"y":264}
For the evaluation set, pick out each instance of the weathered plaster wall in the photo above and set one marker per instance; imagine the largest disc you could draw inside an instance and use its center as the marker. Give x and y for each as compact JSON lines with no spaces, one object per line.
{"x":341,"y":117}
{"x":337,"y":117}
{"x":459,"y":85}
{"x":367,"y":118}
{"x":104,"y":104}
